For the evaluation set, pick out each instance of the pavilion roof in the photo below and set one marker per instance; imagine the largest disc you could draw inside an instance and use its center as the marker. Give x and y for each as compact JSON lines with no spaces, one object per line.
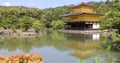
{"x":76,"y":14}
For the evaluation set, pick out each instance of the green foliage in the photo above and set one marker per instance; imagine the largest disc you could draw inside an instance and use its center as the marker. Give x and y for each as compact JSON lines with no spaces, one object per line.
{"x":107,"y":20}
{"x":101,"y":7}
{"x":112,"y":43}
{"x":116,"y":40}
{"x":16,"y":17}
{"x":59,"y":24}
{"x":12,"y":22}
{"x":38,"y":25}
{"x":26,"y":22}
{"x":108,"y":48}
{"x":115,"y":37}
{"x":111,"y":19}
{"x":97,"y":60}
{"x":54,"y":14}
{"x":82,"y":61}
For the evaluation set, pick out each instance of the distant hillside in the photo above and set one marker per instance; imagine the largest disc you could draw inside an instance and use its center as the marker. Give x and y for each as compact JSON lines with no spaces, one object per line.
{"x":16,"y":14}
{"x":92,"y":3}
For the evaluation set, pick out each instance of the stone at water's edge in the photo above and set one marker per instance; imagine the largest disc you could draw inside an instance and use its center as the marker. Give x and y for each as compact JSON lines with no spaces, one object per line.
{"x":22,"y":58}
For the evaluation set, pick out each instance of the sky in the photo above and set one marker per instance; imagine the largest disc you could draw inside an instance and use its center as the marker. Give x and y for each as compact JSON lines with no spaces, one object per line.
{"x":42,"y":3}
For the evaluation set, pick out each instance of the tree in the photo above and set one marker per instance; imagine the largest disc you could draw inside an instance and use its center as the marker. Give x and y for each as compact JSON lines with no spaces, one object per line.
{"x":1,"y":21}
{"x":111,"y":19}
{"x":12,"y":22}
{"x":38,"y":25}
{"x":54,"y":14}
{"x":26,"y":22}
{"x":59,"y":24}
{"x":10,"y":17}
{"x":16,"y":17}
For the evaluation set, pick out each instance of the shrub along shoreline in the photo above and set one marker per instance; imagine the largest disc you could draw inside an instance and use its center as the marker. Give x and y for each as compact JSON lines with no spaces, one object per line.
{"x":22,"y":58}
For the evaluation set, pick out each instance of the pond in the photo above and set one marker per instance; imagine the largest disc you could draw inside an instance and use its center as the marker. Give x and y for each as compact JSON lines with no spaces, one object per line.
{"x":58,"y":47}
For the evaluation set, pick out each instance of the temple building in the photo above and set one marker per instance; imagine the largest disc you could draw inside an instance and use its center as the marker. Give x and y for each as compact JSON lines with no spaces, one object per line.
{"x":82,"y":16}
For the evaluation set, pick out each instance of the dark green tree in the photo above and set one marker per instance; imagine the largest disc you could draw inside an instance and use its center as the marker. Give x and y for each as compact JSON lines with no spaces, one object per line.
{"x":111,"y":19}
{"x":38,"y":25}
{"x":26,"y":22}
{"x":59,"y":24}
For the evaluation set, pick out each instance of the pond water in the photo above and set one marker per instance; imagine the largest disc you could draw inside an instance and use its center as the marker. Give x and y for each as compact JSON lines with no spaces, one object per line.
{"x":62,"y":48}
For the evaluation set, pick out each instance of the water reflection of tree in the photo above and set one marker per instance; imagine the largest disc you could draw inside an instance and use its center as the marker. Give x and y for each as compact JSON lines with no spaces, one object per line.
{"x":109,"y":57}
{"x":80,"y":48}
{"x":58,"y":40}
{"x":25,"y":44}
{"x":55,"y":39}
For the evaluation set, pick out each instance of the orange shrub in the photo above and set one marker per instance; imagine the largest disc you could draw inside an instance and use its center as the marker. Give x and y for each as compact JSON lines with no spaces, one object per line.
{"x":22,"y":58}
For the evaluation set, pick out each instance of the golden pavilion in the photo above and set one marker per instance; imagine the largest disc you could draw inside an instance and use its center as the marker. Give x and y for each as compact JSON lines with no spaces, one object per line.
{"x":82,"y":16}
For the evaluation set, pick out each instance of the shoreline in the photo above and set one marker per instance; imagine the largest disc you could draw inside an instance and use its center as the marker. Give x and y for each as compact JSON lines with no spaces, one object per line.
{"x":81,"y":31}
{"x":104,"y":32}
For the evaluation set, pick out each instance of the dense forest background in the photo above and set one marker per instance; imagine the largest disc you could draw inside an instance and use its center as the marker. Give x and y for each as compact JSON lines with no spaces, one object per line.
{"x":19,"y":17}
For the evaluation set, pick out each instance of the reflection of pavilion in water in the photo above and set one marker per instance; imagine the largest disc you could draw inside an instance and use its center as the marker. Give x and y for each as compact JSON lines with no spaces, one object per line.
{"x":94,"y":37}
{"x":84,"y":37}
{"x":83,"y":50}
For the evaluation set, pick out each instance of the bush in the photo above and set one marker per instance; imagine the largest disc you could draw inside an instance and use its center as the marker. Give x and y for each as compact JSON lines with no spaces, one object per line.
{"x":22,"y":58}
{"x":38,"y":25}
{"x":59,"y":24}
